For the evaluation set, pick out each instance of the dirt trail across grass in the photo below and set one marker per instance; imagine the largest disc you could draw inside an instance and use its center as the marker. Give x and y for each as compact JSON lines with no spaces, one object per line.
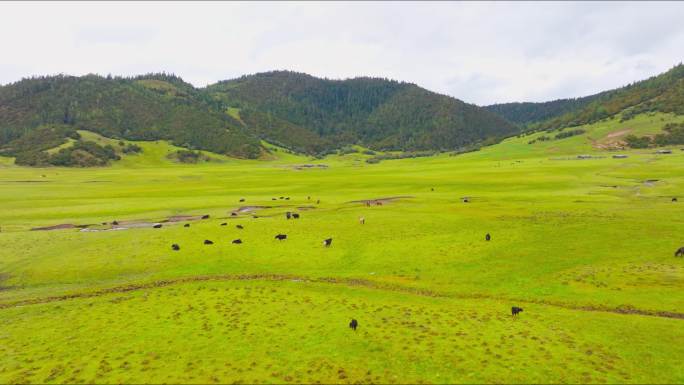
{"x":627,"y":310}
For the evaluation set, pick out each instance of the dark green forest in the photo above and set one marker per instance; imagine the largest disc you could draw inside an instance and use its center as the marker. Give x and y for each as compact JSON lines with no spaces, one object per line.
{"x":378,"y":113}
{"x":41,"y":112}
{"x":296,"y":111}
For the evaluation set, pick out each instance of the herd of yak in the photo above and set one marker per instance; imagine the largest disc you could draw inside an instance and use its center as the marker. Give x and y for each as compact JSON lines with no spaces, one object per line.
{"x":328,"y":242}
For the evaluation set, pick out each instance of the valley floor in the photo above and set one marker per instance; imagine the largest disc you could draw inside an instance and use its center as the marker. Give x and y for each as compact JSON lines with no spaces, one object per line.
{"x":584,"y":246}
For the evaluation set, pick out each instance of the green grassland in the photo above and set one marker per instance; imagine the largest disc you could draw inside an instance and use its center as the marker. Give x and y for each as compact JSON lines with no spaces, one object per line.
{"x":585,"y":246}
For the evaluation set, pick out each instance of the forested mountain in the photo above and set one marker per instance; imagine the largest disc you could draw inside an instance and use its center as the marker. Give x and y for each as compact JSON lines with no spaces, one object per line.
{"x":39,"y":113}
{"x":379,"y":113}
{"x":297,"y":111}
{"x":530,"y":112}
{"x":664,"y":93}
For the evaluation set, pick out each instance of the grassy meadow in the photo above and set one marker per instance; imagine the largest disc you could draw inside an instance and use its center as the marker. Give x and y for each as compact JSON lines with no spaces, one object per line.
{"x":585,"y":246}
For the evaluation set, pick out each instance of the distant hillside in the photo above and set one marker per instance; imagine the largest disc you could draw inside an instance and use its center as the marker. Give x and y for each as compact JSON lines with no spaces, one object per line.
{"x":39,"y":113}
{"x":376,"y":113}
{"x":662,"y":93}
{"x":528,"y":112}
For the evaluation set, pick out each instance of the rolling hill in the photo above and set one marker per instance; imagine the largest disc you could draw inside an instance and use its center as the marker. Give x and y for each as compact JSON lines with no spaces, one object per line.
{"x":377,"y":113}
{"x":40,"y":113}
{"x":662,"y":93}
{"x":296,"y":111}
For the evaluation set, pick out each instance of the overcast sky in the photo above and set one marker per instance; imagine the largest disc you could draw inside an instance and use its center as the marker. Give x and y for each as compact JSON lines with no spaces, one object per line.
{"x":482,"y":53}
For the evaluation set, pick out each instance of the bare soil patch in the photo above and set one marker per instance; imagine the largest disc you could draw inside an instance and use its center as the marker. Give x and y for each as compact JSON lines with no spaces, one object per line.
{"x":183,"y":218}
{"x":58,"y":227}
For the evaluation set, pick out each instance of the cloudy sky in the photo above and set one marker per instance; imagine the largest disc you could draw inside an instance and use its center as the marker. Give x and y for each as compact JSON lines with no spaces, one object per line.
{"x":479,"y":52}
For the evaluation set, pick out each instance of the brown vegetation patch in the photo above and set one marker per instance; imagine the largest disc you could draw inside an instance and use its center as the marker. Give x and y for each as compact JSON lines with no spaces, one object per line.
{"x":308,"y":166}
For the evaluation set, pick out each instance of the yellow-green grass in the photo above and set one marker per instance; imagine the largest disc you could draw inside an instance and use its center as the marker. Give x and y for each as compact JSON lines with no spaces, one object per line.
{"x":584,"y":246}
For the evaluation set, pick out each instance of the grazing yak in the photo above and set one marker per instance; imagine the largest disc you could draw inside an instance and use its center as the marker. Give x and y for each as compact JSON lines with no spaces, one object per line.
{"x":208,"y":242}
{"x":680,"y":252}
{"x":287,"y":198}
{"x":175,"y":247}
{"x":281,"y":237}
{"x":242,"y":200}
{"x":239,"y":227}
{"x":515,"y":310}
{"x":327,"y":242}
{"x":186,"y":225}
{"x":353,"y":324}
{"x":233,"y":214}
{"x":237,"y":241}
{"x":488,"y":237}
{"x":157,"y":226}
{"x":224,"y":224}
{"x":115,"y":223}
{"x":295,"y":215}
{"x":206,"y":216}
{"x":362,"y":220}
{"x":674,"y":199}
{"x":288,"y":215}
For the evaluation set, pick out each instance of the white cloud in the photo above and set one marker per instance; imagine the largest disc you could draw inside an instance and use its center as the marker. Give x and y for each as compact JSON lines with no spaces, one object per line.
{"x":478,"y":52}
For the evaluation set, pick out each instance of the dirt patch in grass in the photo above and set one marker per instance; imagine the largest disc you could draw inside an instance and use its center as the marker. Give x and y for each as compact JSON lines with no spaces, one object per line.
{"x":376,"y":201}
{"x":183,"y":218}
{"x":248,"y":209}
{"x":58,"y":227}
{"x":304,"y":208}
{"x":612,"y":141}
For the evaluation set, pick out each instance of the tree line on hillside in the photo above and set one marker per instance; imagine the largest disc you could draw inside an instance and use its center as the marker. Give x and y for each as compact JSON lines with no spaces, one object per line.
{"x":673,"y":134}
{"x":125,"y":108}
{"x":377,"y":113}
